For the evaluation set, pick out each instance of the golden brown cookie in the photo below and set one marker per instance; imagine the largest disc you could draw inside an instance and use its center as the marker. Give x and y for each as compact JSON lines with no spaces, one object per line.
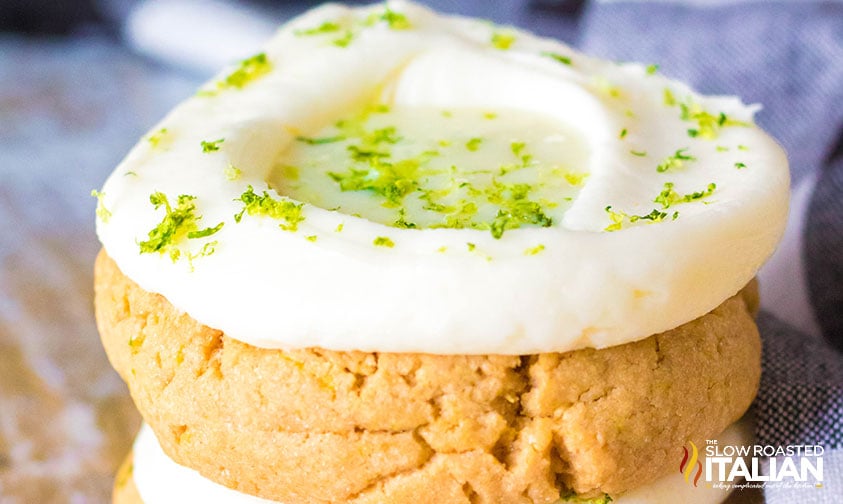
{"x":313,"y":426}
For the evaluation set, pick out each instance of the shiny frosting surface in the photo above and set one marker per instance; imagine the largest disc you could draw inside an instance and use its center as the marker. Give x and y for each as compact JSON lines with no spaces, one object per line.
{"x":673,"y":200}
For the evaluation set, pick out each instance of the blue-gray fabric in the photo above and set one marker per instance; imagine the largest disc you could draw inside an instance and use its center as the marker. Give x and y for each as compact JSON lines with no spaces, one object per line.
{"x":824,"y":246}
{"x":789,"y":57}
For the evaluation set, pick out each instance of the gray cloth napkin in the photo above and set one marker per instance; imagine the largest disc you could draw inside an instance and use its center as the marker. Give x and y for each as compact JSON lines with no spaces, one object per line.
{"x":787,"y":56}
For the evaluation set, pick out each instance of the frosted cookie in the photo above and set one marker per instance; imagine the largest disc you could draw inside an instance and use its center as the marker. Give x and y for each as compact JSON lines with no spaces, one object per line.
{"x":300,"y":182}
{"x":316,"y":425}
{"x":403,"y":252}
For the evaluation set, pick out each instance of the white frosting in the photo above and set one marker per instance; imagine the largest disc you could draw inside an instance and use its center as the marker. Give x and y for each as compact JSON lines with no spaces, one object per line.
{"x":463,"y":164}
{"x":586,"y":288}
{"x":159,"y":480}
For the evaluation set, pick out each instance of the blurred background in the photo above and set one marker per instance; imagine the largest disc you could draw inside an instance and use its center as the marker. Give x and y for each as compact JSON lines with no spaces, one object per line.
{"x":81,"y":81}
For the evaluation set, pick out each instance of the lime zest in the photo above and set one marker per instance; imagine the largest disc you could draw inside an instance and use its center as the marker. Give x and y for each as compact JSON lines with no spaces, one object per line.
{"x":669,"y":197}
{"x":178,"y":224}
{"x":675,"y":161}
{"x":247,"y":71}
{"x":102,"y":212}
{"x":383,"y":241}
{"x":158,"y":138}
{"x":559,"y":58}
{"x":503,"y":40}
{"x":211,"y":146}
{"x":265,"y":205}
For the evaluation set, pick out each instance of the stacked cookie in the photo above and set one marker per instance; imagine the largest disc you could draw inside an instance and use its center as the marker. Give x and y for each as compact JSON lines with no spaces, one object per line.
{"x":399,"y":256}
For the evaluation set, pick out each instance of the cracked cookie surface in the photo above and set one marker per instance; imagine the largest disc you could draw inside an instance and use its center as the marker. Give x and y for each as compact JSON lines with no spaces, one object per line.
{"x":314,"y":426}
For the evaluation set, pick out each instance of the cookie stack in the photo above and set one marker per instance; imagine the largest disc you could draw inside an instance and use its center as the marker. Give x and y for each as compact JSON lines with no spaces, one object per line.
{"x":402,"y":257}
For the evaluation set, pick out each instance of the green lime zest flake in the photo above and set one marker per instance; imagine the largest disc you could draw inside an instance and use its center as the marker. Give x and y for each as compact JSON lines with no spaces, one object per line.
{"x":623,"y":133}
{"x":395,"y":20}
{"x":669,"y":98}
{"x":383,"y":241}
{"x":502,"y":40}
{"x":374,"y":166}
{"x":279,"y":209}
{"x":638,"y":153}
{"x":378,"y":108}
{"x":249,"y":70}
{"x":576,"y":499}
{"x":675,"y":161}
{"x":669,"y":196}
{"x":534,"y":250}
{"x":202,"y":233}
{"x":326,"y":27}
{"x":470,"y":246}
{"x":603,"y":85}
{"x":617,"y":218}
{"x":575,"y":179}
{"x":652,"y":69}
{"x":212,"y":146}
{"x":290,"y":172}
{"x":339,"y":227}
{"x":402,"y":222}
{"x":708,"y":125}
{"x":156,"y":139}
{"x":345,"y":40}
{"x":391,"y":181}
{"x":516,"y":209}
{"x":518,"y":150}
{"x":565,"y":60}
{"x":363,"y":154}
{"x":232,"y":173}
{"x":740,"y":165}
{"x":743,"y":147}
{"x":722,"y":148}
{"x":178,"y":224}
{"x":654,"y":216}
{"x":320,"y":141}
{"x":382,"y":135}
{"x":208,"y":249}
{"x":102,"y":213}
{"x":311,"y":238}
{"x":344,"y":33}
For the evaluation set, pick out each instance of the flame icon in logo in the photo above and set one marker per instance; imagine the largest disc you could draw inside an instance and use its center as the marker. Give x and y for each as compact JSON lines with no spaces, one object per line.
{"x":690,"y":461}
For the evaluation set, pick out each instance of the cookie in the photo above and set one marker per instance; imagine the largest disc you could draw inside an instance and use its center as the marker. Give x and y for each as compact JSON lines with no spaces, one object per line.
{"x":312,"y":426}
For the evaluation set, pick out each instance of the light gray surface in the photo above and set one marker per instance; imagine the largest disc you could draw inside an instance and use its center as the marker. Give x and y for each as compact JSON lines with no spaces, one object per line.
{"x":68,"y":113}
